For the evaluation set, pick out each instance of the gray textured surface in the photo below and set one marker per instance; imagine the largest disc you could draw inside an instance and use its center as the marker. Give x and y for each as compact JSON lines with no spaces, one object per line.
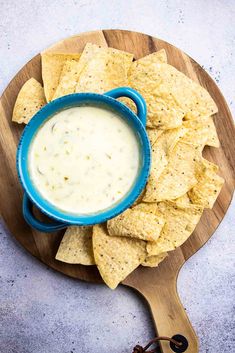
{"x":42,"y":311}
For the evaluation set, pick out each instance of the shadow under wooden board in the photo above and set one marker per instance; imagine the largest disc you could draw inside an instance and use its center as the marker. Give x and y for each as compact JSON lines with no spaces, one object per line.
{"x":157,"y":285}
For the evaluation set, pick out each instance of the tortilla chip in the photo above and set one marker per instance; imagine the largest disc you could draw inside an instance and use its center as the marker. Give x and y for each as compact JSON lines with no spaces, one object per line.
{"x":161,"y":149}
{"x":99,"y":70}
{"x":148,"y":208}
{"x":76,"y":246}
{"x":105,"y":71}
{"x":153,"y":135}
{"x":71,"y":71}
{"x":180,"y":223}
{"x":159,"y":160}
{"x":209,"y":185}
{"x":134,"y":223}
{"x":154,"y":261}
{"x":30,"y":99}
{"x":156,"y":57}
{"x":116,"y":257}
{"x":193,"y":98}
{"x":144,"y":62}
{"x":205,"y":165}
{"x":182,"y":201}
{"x":178,"y":177}
{"x":52,"y":64}
{"x":201,"y":132}
{"x":169,"y":94}
{"x":68,"y":78}
{"x":160,"y":155}
{"x":171,"y":138}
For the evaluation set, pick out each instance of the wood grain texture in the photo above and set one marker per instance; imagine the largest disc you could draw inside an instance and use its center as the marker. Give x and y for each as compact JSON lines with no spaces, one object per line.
{"x":158,"y":285}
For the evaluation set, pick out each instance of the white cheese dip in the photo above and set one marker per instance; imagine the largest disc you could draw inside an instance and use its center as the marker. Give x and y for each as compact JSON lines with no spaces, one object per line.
{"x":84,"y":159}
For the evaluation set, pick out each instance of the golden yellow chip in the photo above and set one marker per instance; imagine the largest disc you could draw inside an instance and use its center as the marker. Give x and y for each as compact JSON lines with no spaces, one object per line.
{"x":172,"y":173}
{"x":154,"y":261}
{"x":135,"y":223}
{"x":180,"y":223}
{"x":52,"y":64}
{"x":159,"y":160}
{"x":143,"y":64}
{"x":169,"y":94}
{"x":182,"y":201}
{"x":148,"y":208}
{"x":76,"y":246}
{"x":171,"y":138}
{"x":116,"y":257}
{"x":30,"y":99}
{"x":156,"y":57}
{"x":162,"y":148}
{"x":153,"y":135}
{"x":99,"y":70}
{"x":209,"y":185}
{"x":71,"y":70}
{"x":192,"y":98}
{"x":68,"y":78}
{"x":205,"y":165}
{"x":105,"y":71}
{"x":201,"y":132}
{"x":177,"y":177}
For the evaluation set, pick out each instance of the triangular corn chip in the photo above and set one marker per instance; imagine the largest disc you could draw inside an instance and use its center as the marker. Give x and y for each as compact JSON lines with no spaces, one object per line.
{"x":134,"y":223}
{"x":162,"y":148}
{"x":153,"y":135}
{"x":148,"y":208}
{"x":169,"y":94}
{"x":72,"y":69}
{"x":182,"y":201}
{"x":180,"y":223}
{"x":156,"y":57}
{"x":105,"y":71}
{"x":178,"y":177}
{"x":209,"y":185}
{"x":116,"y":257}
{"x":100,"y":69}
{"x":52,"y":64}
{"x":201,"y":132}
{"x":68,"y":78}
{"x":30,"y":99}
{"x":143,"y":63}
{"x":76,"y":246}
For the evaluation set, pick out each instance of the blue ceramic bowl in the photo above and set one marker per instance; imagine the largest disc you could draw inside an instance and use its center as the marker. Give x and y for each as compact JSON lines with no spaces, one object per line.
{"x":32,"y":197}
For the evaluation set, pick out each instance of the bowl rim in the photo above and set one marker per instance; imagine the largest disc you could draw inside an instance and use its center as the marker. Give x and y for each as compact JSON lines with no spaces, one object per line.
{"x":63,"y":103}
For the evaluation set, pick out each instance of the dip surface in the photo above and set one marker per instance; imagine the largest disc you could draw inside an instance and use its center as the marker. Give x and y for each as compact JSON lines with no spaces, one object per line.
{"x":84,"y":159}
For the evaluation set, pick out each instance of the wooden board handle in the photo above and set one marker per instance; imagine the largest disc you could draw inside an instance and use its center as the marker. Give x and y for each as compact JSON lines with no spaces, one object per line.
{"x":169,"y":315}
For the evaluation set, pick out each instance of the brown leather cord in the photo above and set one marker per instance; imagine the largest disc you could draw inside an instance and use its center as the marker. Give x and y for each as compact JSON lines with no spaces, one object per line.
{"x":140,"y":349}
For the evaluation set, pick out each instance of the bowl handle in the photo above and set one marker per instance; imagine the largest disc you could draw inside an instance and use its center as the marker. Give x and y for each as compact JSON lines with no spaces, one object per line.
{"x":134,"y":96}
{"x":35,"y":223}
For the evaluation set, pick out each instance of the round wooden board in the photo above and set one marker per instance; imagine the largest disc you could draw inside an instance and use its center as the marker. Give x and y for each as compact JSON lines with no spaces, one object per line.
{"x":158,"y":285}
